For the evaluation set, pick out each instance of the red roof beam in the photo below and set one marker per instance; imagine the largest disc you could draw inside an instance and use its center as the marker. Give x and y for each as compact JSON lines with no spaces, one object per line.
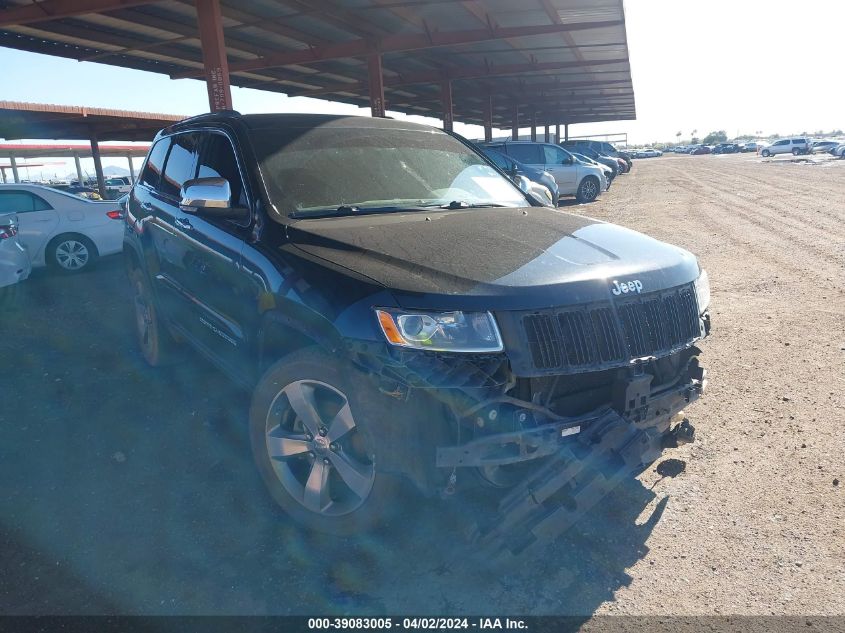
{"x":400,"y":43}
{"x":467,"y":72}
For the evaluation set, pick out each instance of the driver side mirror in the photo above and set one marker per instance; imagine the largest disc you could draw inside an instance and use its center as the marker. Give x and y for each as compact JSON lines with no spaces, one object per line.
{"x":211,"y":197}
{"x":566,"y":161}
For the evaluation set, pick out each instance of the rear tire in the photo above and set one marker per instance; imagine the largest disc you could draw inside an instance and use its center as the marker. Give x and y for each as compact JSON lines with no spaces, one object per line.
{"x":796,"y":151}
{"x":315,"y":448}
{"x":156,"y":344}
{"x":71,"y":253}
{"x":588,"y":190}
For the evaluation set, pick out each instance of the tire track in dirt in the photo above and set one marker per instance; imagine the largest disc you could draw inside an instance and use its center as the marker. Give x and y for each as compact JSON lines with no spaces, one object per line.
{"x":801,"y":196}
{"x":695,"y":229}
{"x":789,"y":241}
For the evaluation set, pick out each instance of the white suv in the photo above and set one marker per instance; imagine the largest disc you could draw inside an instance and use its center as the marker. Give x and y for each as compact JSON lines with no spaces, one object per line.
{"x":786,"y":145}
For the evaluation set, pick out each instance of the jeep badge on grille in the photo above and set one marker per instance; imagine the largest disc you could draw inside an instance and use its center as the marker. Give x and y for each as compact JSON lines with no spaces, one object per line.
{"x":626,"y":287}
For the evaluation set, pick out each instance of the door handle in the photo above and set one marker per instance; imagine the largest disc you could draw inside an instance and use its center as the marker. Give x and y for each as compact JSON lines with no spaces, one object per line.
{"x":146,"y":206}
{"x":182,"y":223}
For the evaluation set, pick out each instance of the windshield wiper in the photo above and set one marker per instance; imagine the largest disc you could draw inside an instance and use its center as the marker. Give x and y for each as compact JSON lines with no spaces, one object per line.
{"x":463,"y":204}
{"x":344,"y":209}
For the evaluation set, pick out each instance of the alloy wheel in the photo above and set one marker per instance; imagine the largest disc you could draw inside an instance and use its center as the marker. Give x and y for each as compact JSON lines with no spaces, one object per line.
{"x":590,"y":190}
{"x":316,"y":449}
{"x":72,"y":254}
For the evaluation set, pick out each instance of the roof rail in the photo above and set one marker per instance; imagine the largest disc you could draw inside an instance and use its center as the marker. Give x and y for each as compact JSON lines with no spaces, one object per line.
{"x":201,"y":117}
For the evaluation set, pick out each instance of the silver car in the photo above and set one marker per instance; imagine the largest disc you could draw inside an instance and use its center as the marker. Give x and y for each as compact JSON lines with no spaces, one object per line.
{"x":15,"y":264}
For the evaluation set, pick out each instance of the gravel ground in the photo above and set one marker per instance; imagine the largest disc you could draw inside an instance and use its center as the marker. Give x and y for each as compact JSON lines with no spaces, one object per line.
{"x":130,"y":490}
{"x":755,"y":523}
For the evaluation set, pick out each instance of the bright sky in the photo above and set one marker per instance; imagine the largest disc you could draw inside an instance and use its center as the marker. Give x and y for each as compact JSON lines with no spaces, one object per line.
{"x":737,"y":65}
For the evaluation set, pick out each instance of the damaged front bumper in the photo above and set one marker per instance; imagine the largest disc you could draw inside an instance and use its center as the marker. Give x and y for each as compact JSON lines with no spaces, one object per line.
{"x":635,"y":404}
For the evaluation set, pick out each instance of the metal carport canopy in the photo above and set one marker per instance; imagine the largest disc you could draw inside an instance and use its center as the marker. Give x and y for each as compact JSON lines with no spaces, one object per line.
{"x":479,"y":61}
{"x":44,"y":121}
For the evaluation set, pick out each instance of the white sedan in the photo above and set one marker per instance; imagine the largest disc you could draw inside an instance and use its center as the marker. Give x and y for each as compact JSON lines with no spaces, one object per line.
{"x":62,"y":231}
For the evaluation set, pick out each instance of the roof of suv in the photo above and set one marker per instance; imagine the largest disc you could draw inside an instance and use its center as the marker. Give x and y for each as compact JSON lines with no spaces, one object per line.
{"x":264,"y":121}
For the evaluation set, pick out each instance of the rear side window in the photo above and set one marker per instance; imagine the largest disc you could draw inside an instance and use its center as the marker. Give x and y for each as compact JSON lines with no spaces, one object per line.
{"x":555,"y":155}
{"x":155,"y":162}
{"x":181,"y":164}
{"x":21,"y":202}
{"x":781,"y":142}
{"x":218,"y":160}
{"x":799,"y":141}
{"x":529,"y":154}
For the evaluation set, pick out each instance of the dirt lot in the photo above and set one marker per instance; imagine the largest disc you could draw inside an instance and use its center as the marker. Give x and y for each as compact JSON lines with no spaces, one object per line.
{"x":129,"y":490}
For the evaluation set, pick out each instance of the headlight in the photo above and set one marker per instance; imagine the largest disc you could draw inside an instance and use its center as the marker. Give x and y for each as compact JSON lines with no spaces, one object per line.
{"x":702,"y":291}
{"x":441,"y":331}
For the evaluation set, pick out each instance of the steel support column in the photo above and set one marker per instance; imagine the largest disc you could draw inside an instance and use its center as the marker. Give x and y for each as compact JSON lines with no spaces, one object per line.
{"x":446,"y":99}
{"x":98,"y":165}
{"x":210,"y":26}
{"x":557,"y":132}
{"x":533,"y":119}
{"x":376,"y":83}
{"x":79,"y":175}
{"x":515,"y":123}
{"x":548,"y":131}
{"x":488,"y":118}
{"x":15,"y":176}
{"x":566,"y":131}
{"x":131,"y":169}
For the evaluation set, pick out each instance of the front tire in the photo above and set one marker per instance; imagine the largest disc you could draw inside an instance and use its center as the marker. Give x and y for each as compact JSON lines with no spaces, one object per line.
{"x":588,"y":190}
{"x":315,"y":448}
{"x":766,"y":153}
{"x":71,"y":253}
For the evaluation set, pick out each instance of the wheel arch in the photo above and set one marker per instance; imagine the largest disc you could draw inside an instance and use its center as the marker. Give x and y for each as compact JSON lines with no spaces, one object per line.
{"x":280,"y":334}
{"x":131,"y":256}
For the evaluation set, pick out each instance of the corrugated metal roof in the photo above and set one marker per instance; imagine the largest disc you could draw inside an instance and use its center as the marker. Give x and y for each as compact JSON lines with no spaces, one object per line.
{"x":575,"y":75}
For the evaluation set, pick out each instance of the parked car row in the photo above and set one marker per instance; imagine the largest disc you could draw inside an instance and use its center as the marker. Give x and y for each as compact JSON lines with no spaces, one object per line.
{"x":580,"y":169}
{"x":646,"y":152}
{"x":719,"y":148}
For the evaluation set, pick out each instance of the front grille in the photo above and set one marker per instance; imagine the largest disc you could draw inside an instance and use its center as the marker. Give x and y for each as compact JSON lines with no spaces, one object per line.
{"x":642,"y":325}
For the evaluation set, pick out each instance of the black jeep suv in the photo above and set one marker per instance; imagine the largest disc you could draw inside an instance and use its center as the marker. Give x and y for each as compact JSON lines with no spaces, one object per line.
{"x":402,"y":312}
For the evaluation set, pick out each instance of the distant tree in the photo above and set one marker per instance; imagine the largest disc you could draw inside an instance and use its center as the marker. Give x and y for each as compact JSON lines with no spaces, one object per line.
{"x":775,"y":136}
{"x":744,"y":137}
{"x":716,"y":137}
{"x":678,"y":136}
{"x":837,"y":133}
{"x":694,"y":140}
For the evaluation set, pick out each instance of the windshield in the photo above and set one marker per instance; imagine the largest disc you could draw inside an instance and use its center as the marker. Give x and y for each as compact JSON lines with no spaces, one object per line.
{"x":341,"y":170}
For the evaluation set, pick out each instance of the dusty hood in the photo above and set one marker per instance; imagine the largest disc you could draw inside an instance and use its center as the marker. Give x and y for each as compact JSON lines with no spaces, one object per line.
{"x":494,"y":258}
